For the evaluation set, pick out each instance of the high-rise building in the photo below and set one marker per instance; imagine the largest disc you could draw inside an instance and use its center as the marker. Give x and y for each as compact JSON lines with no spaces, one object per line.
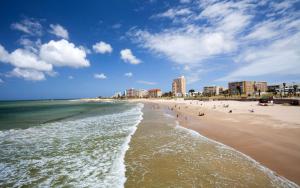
{"x":247,"y":87}
{"x":178,"y":87}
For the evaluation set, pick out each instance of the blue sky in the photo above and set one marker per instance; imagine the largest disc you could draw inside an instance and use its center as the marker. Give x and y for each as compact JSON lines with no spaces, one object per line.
{"x":72,"y":49}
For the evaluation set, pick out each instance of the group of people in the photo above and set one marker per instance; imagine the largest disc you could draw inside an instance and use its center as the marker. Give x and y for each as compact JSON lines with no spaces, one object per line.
{"x":178,"y":107}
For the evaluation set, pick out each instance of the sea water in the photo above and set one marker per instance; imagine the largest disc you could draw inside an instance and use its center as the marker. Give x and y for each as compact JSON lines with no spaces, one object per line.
{"x":65,"y":143}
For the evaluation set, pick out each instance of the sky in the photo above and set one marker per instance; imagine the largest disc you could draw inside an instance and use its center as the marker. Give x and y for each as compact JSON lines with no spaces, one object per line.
{"x":74,"y":49}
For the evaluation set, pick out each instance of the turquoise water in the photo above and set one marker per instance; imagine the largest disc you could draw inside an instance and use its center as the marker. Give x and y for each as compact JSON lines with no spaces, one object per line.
{"x":65,"y":143}
{"x":24,"y":114}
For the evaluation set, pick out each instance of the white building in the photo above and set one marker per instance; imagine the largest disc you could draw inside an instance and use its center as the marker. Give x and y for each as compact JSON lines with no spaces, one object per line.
{"x":142,"y":93}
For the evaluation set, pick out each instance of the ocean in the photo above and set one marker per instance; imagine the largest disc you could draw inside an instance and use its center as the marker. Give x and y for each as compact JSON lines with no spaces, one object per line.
{"x":71,"y":143}
{"x":65,"y":143}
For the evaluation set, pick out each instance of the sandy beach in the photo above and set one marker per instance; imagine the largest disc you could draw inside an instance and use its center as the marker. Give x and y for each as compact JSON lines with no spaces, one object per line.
{"x":270,"y":135}
{"x":164,"y":154}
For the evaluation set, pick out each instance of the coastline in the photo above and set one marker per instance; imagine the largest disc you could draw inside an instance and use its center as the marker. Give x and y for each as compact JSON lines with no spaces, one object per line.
{"x":93,"y":142}
{"x":269,"y":139}
{"x":163,"y":153}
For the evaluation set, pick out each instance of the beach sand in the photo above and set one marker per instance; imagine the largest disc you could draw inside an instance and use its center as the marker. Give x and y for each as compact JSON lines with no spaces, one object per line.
{"x":270,"y":135}
{"x":164,"y":154}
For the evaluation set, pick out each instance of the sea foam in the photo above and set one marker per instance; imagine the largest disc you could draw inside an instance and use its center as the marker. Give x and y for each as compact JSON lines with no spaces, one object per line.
{"x":86,"y":152}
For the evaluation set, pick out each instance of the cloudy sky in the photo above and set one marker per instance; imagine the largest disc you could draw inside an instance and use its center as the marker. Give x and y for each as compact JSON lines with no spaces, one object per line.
{"x":59,"y":49}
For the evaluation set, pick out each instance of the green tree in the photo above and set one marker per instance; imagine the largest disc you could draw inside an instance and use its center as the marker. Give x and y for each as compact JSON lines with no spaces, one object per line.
{"x":295,"y":89}
{"x":284,"y":84}
{"x":191,"y":91}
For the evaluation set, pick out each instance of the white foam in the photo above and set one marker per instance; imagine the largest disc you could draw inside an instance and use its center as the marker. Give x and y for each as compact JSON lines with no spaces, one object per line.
{"x":118,"y":168}
{"x":88,"y":152}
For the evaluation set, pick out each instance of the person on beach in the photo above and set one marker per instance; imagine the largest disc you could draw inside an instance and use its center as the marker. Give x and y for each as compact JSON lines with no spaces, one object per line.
{"x":201,"y":114}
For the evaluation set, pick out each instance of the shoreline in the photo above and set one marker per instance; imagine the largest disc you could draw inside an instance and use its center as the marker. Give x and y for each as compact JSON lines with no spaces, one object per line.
{"x":265,"y":169}
{"x":163,"y":153}
{"x":271,"y":141}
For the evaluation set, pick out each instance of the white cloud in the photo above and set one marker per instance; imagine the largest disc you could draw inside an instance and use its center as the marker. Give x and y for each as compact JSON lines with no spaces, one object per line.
{"x":127,"y":56}
{"x":27,"y":74}
{"x":233,"y":23}
{"x":36,"y":60}
{"x":102,"y":47}
{"x":273,"y":29}
{"x":87,"y":50}
{"x":27,"y":64}
{"x":281,"y":57}
{"x":215,"y":10}
{"x":63,"y":53}
{"x":263,"y":31}
{"x":172,"y":13}
{"x":184,"y":47}
{"x":283,"y":5}
{"x":70,"y":77}
{"x":128,"y":74}
{"x":29,"y":26}
{"x":26,"y":42}
{"x":24,"y":59}
{"x":100,"y":76}
{"x":30,"y":45}
{"x":1,"y":81}
{"x":190,"y":43}
{"x":184,"y":1}
{"x":4,"y":55}
{"x":237,"y":31}
{"x":146,"y":82}
{"x":228,"y":17}
{"x":59,"y":31}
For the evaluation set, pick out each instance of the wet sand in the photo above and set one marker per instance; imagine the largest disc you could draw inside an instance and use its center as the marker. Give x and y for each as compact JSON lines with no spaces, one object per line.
{"x":274,"y":143}
{"x":164,"y":154}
